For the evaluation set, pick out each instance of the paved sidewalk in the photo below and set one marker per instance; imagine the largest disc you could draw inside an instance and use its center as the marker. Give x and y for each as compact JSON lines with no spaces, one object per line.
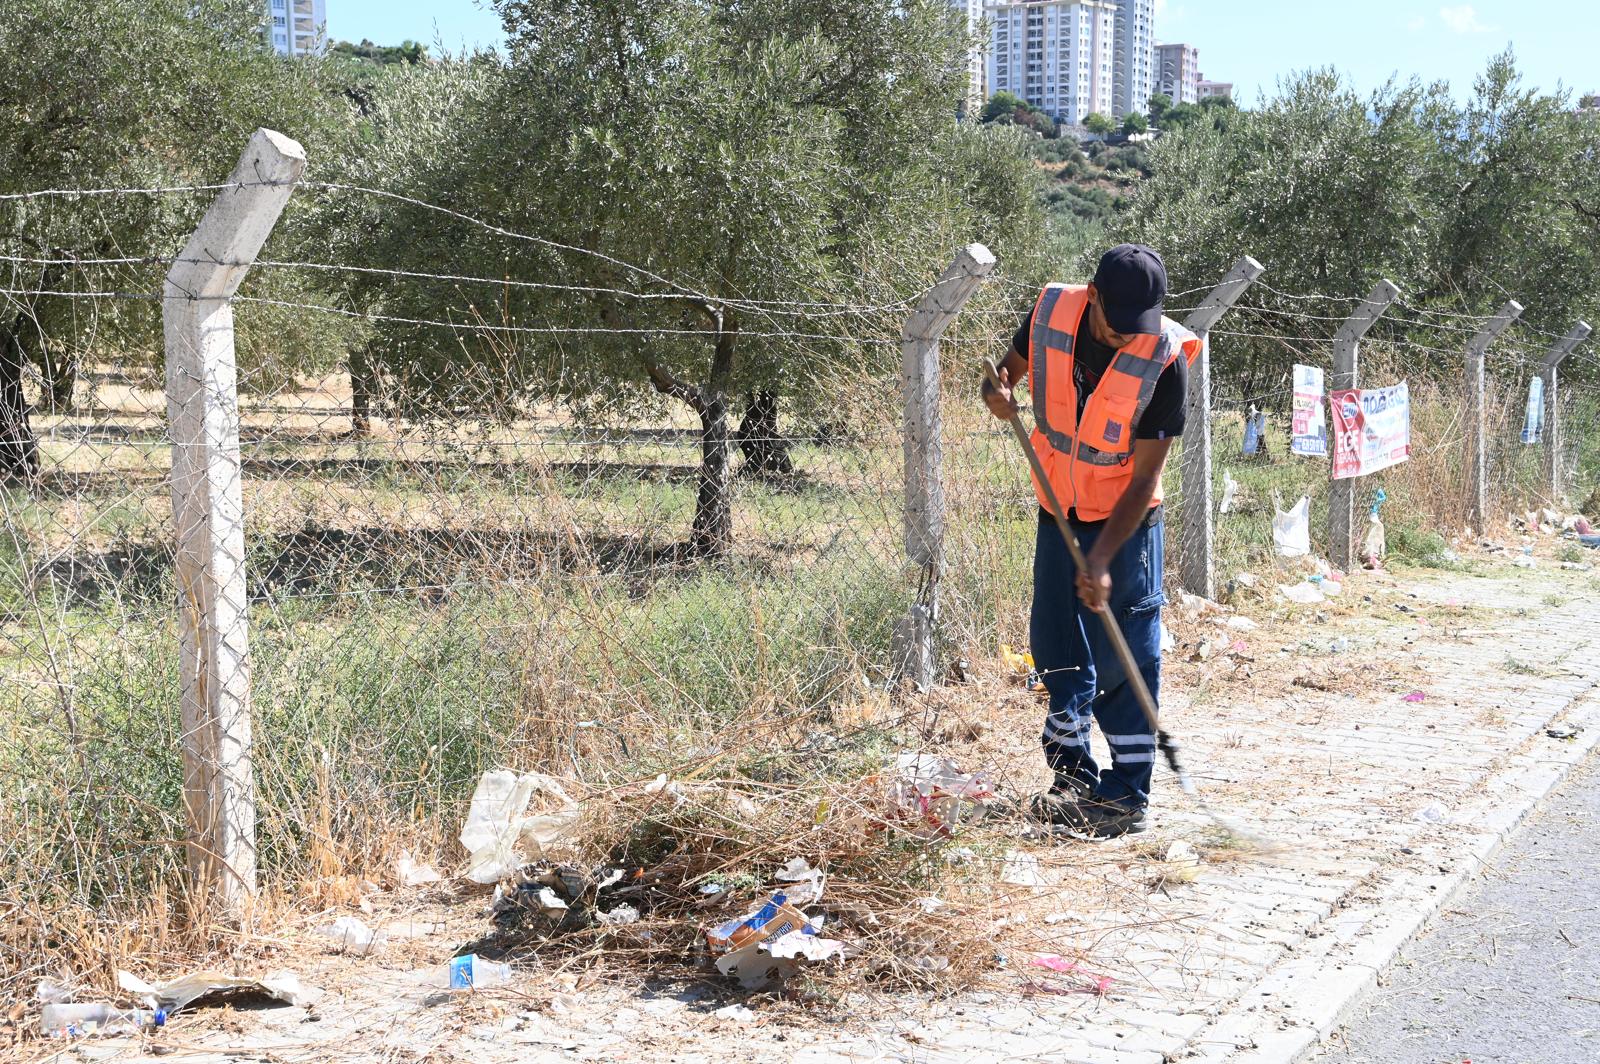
{"x":1378,"y":807}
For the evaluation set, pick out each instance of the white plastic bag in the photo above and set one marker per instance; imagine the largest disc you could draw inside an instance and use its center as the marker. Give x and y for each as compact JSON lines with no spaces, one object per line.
{"x":1230,"y":488}
{"x":1291,"y":529}
{"x":350,"y":935}
{"x":1374,"y":546}
{"x":498,"y":837}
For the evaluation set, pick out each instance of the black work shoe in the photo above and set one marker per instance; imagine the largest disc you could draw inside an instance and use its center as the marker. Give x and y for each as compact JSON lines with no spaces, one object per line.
{"x":1109,"y":820}
{"x":1085,"y":817}
{"x":1072,"y":788}
{"x":1054,"y":810}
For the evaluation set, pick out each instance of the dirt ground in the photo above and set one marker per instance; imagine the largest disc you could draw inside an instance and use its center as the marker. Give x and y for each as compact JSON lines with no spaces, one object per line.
{"x":1333,"y":733}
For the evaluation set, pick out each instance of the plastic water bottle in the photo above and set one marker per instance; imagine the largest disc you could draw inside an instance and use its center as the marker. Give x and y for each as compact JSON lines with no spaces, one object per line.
{"x":64,"y":1021}
{"x":471,"y":971}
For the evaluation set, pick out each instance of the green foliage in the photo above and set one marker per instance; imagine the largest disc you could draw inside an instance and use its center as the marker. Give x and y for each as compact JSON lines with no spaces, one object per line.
{"x":1135,"y":123}
{"x":1160,"y":106}
{"x":407,"y":53}
{"x":138,"y":94}
{"x":1099,"y":124}
{"x":1411,"y":544}
{"x":1461,"y":205}
{"x":1002,"y":105}
{"x":1085,"y":190}
{"x":677,"y":162}
{"x":1008,"y":108}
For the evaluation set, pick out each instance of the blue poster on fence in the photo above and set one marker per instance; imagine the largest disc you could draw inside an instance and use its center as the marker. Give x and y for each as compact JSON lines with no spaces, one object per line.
{"x":1533,"y":424}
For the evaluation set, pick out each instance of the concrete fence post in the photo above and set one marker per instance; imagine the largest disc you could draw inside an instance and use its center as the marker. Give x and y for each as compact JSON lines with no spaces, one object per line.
{"x":208,"y":514}
{"x":1342,"y":528}
{"x":1553,"y":473}
{"x":924,"y":450}
{"x":1477,"y":415}
{"x":1198,"y":573}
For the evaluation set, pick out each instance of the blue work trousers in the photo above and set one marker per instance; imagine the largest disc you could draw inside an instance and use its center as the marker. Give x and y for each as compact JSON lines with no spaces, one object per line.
{"x":1080,"y":667}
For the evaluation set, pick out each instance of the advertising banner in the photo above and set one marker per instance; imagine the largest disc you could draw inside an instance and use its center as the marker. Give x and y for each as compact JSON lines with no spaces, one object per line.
{"x":1371,"y":429}
{"x":1310,"y":430}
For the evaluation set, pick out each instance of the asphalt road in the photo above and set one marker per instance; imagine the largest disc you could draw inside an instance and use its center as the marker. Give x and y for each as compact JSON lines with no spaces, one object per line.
{"x":1510,"y":972}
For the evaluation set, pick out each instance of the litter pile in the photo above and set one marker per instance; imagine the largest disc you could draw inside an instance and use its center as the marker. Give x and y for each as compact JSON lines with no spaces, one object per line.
{"x":679,"y":872}
{"x":1546,"y":522}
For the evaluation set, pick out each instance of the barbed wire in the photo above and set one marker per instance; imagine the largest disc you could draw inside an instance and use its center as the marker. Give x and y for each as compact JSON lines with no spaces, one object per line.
{"x":564,"y":330}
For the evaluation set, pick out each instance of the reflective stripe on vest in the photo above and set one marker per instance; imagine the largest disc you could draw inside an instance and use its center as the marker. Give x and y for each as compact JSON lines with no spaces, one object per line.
{"x":1090,"y":467}
{"x":1044,"y":338}
{"x":1149,"y":371}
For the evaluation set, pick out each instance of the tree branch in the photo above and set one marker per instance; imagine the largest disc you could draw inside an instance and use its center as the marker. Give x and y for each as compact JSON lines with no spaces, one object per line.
{"x":667,"y":384}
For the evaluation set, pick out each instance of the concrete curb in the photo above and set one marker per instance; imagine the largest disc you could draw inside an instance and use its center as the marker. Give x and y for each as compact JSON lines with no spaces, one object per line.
{"x":1298,"y":1002}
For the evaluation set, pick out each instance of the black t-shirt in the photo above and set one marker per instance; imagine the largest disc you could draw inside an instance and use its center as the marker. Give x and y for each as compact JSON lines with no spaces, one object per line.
{"x":1162,"y":419}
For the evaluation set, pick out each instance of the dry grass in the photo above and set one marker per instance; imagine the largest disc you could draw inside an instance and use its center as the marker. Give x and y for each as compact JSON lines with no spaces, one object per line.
{"x":392,"y":670}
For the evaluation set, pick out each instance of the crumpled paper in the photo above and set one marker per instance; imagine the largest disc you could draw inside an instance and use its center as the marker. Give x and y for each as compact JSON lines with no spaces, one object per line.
{"x":804,"y":882}
{"x":500,"y":838}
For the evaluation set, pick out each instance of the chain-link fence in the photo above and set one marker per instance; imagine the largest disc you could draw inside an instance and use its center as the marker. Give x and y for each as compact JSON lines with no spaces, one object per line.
{"x":431,"y":597}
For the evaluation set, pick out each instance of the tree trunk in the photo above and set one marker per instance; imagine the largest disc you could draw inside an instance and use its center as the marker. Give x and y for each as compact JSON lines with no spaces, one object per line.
{"x":766,"y":453}
{"x":712,"y":533}
{"x":360,"y":394}
{"x":711,"y":536}
{"x":61,"y":375}
{"x":19,"y":447}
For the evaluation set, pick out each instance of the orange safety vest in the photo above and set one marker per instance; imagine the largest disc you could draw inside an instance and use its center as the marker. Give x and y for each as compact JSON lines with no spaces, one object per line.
{"x":1090,"y":463}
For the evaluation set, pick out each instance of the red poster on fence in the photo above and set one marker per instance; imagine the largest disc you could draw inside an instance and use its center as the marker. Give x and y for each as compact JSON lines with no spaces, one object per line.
{"x":1371,"y":429}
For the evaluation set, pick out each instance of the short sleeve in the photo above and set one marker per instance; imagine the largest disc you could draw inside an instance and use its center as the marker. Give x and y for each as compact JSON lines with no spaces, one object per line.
{"x":1019,"y":342}
{"x":1164,"y":418}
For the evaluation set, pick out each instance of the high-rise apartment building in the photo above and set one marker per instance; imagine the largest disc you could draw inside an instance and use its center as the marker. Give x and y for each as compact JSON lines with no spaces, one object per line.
{"x":977,"y":58}
{"x":1214,"y":88}
{"x":1135,"y":66}
{"x":1059,"y":55}
{"x":297,"y":27}
{"x":1178,"y":72}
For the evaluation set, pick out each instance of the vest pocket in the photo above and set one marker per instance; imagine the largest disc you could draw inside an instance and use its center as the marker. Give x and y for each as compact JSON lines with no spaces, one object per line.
{"x":1108,"y":419}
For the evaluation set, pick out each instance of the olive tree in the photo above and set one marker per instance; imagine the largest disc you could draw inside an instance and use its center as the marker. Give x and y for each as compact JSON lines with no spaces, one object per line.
{"x":707,"y":185}
{"x":119,"y":94}
{"x":1461,"y":204}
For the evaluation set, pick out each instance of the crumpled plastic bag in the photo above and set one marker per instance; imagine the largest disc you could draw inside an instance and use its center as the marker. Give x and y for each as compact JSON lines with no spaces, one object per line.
{"x":284,"y":986}
{"x":409,"y":873}
{"x":934,"y":797}
{"x":350,"y":935}
{"x":499,"y":837}
{"x":1374,"y":545}
{"x":1306,"y":594}
{"x":802,"y":883}
{"x":1291,"y":529}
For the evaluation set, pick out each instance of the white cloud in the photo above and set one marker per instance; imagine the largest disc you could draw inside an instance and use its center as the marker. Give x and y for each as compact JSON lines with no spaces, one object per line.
{"x":1417,"y":24}
{"x":1463,"y":19}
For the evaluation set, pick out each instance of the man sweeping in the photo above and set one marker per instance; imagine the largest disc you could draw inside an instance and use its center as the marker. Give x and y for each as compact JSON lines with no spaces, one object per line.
{"x":1109,"y":374}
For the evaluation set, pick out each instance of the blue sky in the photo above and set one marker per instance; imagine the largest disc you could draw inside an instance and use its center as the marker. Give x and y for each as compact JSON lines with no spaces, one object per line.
{"x":1254,"y":42}
{"x":1249,"y":42}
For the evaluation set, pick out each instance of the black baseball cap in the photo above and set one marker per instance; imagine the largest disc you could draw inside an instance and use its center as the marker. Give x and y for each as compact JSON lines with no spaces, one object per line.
{"x":1132,"y":282}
